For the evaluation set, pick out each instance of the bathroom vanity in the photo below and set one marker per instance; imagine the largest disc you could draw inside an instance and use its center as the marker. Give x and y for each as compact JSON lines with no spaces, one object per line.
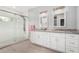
{"x":59,"y":41}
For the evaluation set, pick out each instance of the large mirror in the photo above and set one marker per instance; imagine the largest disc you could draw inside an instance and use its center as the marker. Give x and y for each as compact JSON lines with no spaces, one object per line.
{"x":43,"y":20}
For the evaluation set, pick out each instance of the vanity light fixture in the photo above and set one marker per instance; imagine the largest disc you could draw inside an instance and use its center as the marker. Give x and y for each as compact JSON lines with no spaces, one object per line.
{"x":14,"y":7}
{"x":4,"y":19}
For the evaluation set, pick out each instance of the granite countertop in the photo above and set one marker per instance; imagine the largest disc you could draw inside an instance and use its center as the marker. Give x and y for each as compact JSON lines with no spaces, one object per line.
{"x":60,"y":31}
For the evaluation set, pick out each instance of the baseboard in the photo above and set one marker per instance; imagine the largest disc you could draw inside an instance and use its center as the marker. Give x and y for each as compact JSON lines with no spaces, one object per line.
{"x":13,"y":43}
{"x":47,"y":48}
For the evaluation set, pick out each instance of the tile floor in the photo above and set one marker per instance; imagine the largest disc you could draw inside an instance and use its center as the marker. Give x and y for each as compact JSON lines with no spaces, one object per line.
{"x":25,"y":47}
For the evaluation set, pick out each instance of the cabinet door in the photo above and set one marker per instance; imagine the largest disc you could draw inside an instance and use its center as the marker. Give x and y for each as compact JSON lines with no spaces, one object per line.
{"x":71,"y":49}
{"x":60,"y":44}
{"x":72,"y":43}
{"x":60,"y":40}
{"x":71,"y":17}
{"x":33,"y":37}
{"x":46,"y":41}
{"x":39,"y":38}
{"x":52,"y":41}
{"x":43,"y":39}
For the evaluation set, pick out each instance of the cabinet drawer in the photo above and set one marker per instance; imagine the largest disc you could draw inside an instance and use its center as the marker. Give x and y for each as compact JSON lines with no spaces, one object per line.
{"x":71,"y":40}
{"x":71,"y":49}
{"x":52,"y":34}
{"x":74,"y":44}
{"x":73,"y":36}
{"x":60,"y":35}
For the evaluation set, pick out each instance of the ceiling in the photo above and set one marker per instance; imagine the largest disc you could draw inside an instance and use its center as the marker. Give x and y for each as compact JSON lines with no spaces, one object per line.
{"x":23,"y":10}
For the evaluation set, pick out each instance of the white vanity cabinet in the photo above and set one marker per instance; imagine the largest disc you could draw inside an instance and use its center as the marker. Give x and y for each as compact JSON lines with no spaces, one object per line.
{"x":60,"y":42}
{"x":72,"y":43}
{"x":52,"y":39}
{"x":40,"y":38}
{"x":57,"y":41}
{"x":43,"y":38}
{"x":34,"y":37}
